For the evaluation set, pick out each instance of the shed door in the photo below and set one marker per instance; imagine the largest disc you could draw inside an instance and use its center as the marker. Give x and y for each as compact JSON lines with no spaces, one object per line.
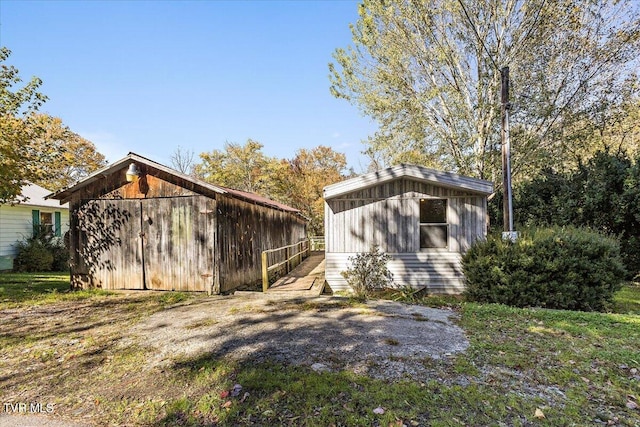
{"x":110,"y":249}
{"x":179,"y":243}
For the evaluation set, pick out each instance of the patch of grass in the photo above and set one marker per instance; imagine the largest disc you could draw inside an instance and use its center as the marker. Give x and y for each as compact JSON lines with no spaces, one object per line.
{"x":273,"y":394}
{"x":316,"y":305}
{"x":168,"y":299}
{"x":201,"y":323}
{"x":577,"y":368}
{"x":416,"y":296}
{"x":627,"y":300}
{"x":19,"y":289}
{"x":579,"y":354}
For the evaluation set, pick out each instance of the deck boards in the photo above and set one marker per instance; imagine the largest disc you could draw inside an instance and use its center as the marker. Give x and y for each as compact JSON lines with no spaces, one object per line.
{"x":308,"y":276}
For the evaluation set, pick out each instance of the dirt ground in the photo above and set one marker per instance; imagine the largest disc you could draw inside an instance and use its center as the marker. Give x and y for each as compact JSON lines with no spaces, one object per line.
{"x":382,"y":339}
{"x":48,"y":347}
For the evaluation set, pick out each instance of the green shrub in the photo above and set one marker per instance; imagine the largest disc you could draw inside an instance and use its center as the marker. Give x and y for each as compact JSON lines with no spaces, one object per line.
{"x":368,"y":271}
{"x":32,"y":256}
{"x":561,"y":268}
{"x":603,"y":195}
{"x":41,"y":252}
{"x":60,"y":254}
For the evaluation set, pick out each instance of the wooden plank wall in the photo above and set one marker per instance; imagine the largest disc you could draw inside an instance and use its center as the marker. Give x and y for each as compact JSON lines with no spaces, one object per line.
{"x":227,"y":241}
{"x":244,"y":231}
{"x":88,"y":268}
{"x":107,"y":246}
{"x":179,"y":243}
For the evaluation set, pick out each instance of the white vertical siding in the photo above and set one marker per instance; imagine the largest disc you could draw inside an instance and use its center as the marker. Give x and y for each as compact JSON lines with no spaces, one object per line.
{"x":388,"y":216}
{"x":16,"y":225}
{"x":439,"y":271}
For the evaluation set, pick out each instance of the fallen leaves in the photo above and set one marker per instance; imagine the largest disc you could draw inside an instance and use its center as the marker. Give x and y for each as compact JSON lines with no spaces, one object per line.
{"x":234,"y":392}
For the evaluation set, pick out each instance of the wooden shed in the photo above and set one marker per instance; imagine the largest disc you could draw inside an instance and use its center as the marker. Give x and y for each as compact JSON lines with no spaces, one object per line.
{"x":422,"y":218}
{"x":137,"y":224}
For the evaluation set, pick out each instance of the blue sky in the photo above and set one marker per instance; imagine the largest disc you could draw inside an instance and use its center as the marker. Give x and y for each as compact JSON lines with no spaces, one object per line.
{"x":148,"y":77}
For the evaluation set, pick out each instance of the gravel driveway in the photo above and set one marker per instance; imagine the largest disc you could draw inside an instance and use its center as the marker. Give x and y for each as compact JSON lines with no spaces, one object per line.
{"x":382,"y":339}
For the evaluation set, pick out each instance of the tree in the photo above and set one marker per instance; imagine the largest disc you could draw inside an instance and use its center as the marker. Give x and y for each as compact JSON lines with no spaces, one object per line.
{"x":183,"y":161}
{"x":20,"y":160}
{"x":428,"y":73}
{"x":307,"y":174}
{"x":36,"y":147}
{"x":75,"y":157}
{"x":242,"y":167}
{"x":602,"y":194}
{"x":297,"y":182}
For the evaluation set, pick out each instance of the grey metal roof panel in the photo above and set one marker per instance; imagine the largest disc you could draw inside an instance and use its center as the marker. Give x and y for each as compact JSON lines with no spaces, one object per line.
{"x":420,"y":173}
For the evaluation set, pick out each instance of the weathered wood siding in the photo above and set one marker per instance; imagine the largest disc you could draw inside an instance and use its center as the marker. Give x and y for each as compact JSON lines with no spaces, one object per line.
{"x":107,"y":243}
{"x":179,"y":243}
{"x":387,"y":215}
{"x":244,"y":231}
{"x":166,"y":235}
{"x":160,"y":244}
{"x":105,"y":227}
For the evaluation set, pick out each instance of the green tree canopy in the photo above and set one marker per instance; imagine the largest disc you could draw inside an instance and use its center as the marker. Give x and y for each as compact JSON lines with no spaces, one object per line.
{"x":242,"y":167}
{"x":36,"y":147}
{"x":20,"y":161}
{"x":75,"y":157}
{"x":428,"y":72}
{"x":306,"y":175}
{"x":297,"y":182}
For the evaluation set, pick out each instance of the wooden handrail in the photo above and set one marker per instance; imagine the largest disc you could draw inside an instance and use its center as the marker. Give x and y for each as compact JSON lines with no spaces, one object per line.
{"x":266,"y":268}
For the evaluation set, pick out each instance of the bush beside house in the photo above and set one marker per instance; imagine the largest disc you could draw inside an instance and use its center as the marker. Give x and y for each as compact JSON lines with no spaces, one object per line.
{"x":560,"y":268}
{"x":41,"y":252}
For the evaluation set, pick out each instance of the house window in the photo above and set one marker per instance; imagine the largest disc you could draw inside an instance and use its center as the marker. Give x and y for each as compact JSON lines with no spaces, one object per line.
{"x":434,"y":230}
{"x":46,"y":222}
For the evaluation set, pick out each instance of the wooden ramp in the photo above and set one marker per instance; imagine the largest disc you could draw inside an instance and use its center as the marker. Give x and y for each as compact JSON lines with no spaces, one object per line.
{"x":307,"y":278}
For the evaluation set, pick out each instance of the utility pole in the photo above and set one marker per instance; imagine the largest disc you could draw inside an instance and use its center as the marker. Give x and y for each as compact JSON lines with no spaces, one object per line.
{"x":507,"y":205}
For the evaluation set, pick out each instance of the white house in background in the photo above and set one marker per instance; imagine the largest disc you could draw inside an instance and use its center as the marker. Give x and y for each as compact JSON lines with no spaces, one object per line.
{"x":422,"y":218}
{"x":17,"y":221}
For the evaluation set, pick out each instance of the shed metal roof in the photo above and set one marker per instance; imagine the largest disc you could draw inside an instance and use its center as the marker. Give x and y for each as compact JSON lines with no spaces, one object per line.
{"x":415,"y":172}
{"x":201,"y":186}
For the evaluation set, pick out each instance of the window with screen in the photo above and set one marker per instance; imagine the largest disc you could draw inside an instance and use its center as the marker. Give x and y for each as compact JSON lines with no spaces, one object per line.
{"x":434,"y":229}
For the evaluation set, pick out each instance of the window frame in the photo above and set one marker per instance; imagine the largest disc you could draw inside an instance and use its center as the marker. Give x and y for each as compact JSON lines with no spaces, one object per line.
{"x":49,"y":223}
{"x":441,"y":225}
{"x":54,"y":228}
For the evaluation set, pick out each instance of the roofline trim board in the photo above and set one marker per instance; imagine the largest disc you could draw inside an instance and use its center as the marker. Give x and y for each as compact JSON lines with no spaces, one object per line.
{"x":420,"y":173}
